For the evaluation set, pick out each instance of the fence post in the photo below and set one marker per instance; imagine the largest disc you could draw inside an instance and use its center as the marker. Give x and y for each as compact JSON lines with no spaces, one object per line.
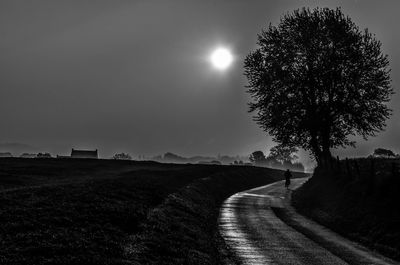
{"x":348,"y":167}
{"x":372,"y":169}
{"x":394,"y":169}
{"x":338,"y":164}
{"x":357,"y":168}
{"x":371,"y":179}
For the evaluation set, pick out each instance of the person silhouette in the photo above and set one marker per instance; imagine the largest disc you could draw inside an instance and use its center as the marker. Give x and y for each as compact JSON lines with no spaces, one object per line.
{"x":288,"y":176}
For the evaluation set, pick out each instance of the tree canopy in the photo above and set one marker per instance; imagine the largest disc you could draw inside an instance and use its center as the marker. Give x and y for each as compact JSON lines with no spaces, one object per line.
{"x":122,"y":156}
{"x":257,"y":157}
{"x":283,"y":154}
{"x":317,"y":79}
{"x":383,"y":152}
{"x":280,"y":157}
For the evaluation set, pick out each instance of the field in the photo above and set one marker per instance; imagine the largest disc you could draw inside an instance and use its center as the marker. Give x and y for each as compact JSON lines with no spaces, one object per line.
{"x":359,"y":199}
{"x":56,"y":211}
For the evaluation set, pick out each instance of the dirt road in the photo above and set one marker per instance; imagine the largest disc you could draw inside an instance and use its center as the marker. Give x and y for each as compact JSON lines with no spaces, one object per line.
{"x":257,"y":236}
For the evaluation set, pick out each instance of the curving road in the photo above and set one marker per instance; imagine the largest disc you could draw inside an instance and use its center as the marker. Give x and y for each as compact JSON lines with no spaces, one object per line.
{"x":257,"y":236}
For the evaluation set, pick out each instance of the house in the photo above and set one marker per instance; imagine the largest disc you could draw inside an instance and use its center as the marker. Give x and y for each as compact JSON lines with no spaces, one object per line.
{"x":84,"y":153}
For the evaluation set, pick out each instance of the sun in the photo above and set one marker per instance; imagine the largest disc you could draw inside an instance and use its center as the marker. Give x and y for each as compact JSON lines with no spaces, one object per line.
{"x":221,"y":58}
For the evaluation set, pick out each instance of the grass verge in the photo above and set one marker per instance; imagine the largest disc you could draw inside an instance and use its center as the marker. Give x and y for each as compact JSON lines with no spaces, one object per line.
{"x":183,"y":229}
{"x":361,"y":206}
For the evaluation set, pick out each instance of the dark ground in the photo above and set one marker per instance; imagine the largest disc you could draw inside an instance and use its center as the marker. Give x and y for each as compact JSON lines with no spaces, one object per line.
{"x":115,"y":212}
{"x":358,"y":200}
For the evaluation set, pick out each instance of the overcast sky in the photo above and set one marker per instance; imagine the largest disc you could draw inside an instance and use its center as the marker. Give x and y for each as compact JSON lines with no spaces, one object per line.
{"x":134,"y":76}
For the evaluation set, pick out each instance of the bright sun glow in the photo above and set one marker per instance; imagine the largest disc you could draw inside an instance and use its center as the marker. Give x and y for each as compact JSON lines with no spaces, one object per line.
{"x":221,"y":58}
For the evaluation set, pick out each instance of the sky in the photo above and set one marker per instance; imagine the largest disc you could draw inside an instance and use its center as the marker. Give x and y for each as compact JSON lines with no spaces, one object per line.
{"x":135,"y":76}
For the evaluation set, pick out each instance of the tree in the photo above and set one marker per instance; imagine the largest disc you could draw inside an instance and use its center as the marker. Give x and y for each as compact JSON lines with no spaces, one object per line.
{"x":173,"y":158}
{"x":257,"y":157}
{"x":317,"y":79}
{"x":122,"y":156}
{"x":379,"y":152}
{"x":43,"y":155}
{"x":283,"y":154}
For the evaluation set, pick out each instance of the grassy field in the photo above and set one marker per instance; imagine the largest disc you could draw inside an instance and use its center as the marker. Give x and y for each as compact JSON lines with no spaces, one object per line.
{"x":359,"y":199}
{"x":115,"y":212}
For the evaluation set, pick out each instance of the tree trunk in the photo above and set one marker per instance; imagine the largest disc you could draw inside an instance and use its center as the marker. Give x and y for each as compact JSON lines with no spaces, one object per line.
{"x":316,"y":148}
{"x":326,"y":152}
{"x":326,"y":157}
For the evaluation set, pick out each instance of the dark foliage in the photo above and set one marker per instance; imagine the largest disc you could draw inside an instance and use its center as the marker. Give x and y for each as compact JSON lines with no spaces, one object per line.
{"x":283,"y":154}
{"x":280,"y":157}
{"x":258,"y":158}
{"x":383,"y":152}
{"x":122,"y":156}
{"x":357,"y":198}
{"x":316,"y":78}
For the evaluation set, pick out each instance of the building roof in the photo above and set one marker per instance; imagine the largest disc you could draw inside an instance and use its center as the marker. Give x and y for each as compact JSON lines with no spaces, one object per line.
{"x":84,"y":153}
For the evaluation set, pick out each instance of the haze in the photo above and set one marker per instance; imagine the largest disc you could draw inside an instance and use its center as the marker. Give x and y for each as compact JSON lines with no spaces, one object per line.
{"x":134,"y":76}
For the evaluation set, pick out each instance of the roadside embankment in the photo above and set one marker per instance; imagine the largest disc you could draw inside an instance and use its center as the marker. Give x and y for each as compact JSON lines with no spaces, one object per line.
{"x":183,"y":229}
{"x":357,"y":199}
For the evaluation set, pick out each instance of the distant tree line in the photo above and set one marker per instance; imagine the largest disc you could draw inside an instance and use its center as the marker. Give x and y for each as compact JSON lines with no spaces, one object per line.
{"x":122,"y":156}
{"x":280,"y":157}
{"x":27,"y":155}
{"x":220,"y":159}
